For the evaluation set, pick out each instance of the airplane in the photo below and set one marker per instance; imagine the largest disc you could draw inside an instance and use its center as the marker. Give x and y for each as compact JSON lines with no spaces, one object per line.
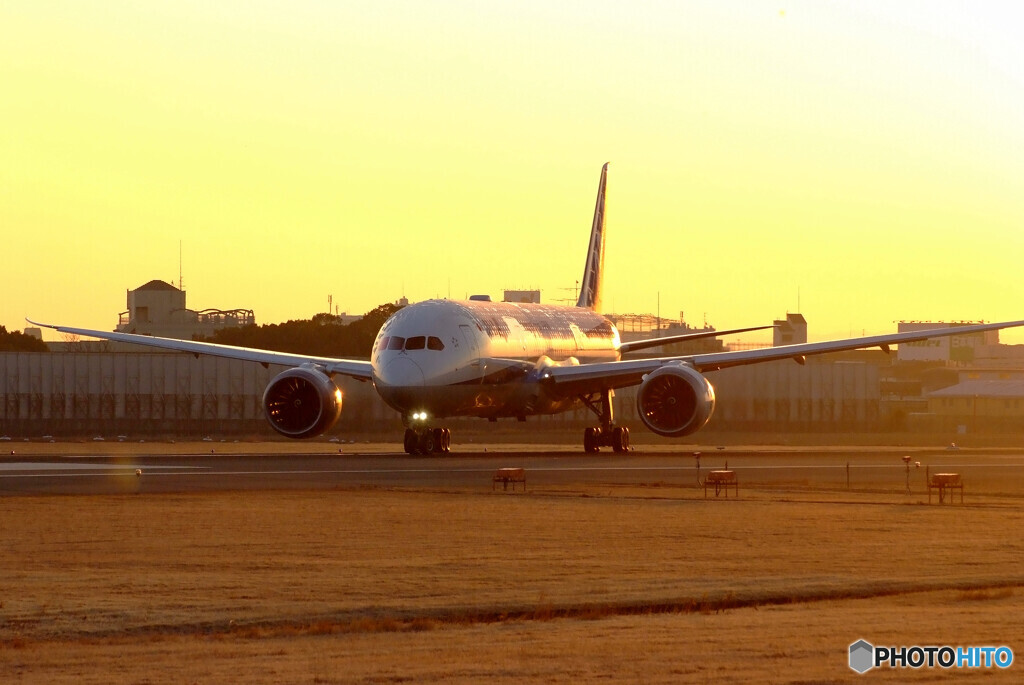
{"x":438,"y":359}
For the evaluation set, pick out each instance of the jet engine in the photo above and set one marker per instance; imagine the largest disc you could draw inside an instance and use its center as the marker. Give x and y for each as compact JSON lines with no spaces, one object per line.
{"x":302,"y":402}
{"x":675,"y":400}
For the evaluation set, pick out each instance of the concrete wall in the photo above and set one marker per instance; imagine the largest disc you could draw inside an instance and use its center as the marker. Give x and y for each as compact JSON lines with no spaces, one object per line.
{"x":139,"y":394}
{"x":812,"y":397}
{"x":148,"y":393}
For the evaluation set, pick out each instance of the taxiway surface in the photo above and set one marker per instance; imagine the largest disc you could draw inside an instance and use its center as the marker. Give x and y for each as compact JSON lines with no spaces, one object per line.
{"x":265,"y":468}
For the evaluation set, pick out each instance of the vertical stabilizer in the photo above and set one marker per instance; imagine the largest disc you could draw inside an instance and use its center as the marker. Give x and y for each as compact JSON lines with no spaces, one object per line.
{"x":590,"y":286}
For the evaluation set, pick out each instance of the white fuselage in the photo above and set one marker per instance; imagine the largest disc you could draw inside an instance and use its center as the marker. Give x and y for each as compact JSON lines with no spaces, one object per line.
{"x":477,"y":358}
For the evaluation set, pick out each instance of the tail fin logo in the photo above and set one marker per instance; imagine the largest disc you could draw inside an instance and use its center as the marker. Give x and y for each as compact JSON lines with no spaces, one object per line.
{"x":590,"y":288}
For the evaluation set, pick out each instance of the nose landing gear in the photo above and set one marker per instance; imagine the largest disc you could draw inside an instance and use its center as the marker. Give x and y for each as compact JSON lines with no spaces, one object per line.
{"x":427,"y":440}
{"x":607,"y":434}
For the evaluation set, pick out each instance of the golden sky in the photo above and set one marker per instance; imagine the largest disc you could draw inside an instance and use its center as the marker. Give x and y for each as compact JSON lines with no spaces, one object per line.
{"x":867,"y":156}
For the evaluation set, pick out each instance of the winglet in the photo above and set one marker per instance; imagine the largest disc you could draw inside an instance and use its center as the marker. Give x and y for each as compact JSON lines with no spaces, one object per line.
{"x":590,"y":287}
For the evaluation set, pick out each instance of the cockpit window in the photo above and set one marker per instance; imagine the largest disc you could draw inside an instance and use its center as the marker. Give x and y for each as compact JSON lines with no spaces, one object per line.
{"x":416,"y":342}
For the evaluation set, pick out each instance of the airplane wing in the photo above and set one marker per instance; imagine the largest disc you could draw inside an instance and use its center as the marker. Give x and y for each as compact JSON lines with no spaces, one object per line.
{"x":587,"y":378}
{"x":635,"y":345}
{"x":360,"y":370}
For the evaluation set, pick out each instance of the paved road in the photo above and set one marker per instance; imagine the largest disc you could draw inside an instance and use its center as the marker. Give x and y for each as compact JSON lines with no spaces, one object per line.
{"x":266,"y":470}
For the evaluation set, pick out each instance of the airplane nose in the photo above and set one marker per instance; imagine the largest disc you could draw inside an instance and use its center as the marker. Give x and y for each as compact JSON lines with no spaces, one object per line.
{"x":402,"y":372}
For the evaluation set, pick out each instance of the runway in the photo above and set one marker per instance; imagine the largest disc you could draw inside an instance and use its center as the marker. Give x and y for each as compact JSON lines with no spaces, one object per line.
{"x":266,"y":469}
{"x":269,"y":471}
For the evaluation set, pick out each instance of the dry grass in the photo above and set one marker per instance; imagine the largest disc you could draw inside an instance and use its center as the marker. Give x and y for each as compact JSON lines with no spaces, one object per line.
{"x":363,"y":585}
{"x":985,"y":594}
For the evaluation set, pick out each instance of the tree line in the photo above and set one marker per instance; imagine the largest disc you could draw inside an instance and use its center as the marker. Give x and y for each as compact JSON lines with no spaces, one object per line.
{"x":321,"y":336}
{"x":19,"y":342}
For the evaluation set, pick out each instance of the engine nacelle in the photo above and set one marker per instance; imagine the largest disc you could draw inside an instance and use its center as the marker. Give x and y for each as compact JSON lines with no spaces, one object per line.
{"x":302,"y":402}
{"x":675,"y":400}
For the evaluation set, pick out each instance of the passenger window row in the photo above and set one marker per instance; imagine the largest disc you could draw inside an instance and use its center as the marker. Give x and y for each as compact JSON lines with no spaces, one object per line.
{"x":417,"y":342}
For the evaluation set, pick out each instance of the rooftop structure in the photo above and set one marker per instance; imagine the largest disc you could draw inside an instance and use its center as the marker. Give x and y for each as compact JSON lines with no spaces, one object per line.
{"x":158,"y":308}
{"x":790,"y":331}
{"x":634,"y":327}
{"x":522,"y":296}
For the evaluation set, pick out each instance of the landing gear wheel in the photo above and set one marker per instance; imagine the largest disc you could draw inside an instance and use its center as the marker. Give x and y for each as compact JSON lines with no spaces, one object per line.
{"x":442,"y":439}
{"x":427,"y":442}
{"x":620,"y":439}
{"x":591,"y":440}
{"x":412,"y":441}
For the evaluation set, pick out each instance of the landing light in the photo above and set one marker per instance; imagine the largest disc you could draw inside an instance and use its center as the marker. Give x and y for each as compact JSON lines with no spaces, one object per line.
{"x":419,"y":416}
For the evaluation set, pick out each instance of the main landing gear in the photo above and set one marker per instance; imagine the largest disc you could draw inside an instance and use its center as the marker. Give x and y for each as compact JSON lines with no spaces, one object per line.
{"x":607,"y":434}
{"x":427,"y":440}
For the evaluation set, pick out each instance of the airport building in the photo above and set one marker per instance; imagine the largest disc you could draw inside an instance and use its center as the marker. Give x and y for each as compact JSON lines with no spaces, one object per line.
{"x":521,"y":296}
{"x":158,"y":308}
{"x":150,"y":393}
{"x":153,"y":393}
{"x":643,"y":326}
{"x":952,"y":349}
{"x":789,"y":331}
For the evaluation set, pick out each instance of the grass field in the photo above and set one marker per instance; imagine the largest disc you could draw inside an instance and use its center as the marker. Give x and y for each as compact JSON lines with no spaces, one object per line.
{"x":645,"y":583}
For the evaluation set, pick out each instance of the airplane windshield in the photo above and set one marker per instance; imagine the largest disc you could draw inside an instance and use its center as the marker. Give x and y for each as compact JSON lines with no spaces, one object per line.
{"x":416,"y":342}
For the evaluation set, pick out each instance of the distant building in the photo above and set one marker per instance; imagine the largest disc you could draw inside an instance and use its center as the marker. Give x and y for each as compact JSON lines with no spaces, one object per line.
{"x":633,"y":327}
{"x":522,"y":296}
{"x":983,"y":401}
{"x":158,"y":308}
{"x":999,"y":356}
{"x":790,"y":331}
{"x":949,"y":349}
